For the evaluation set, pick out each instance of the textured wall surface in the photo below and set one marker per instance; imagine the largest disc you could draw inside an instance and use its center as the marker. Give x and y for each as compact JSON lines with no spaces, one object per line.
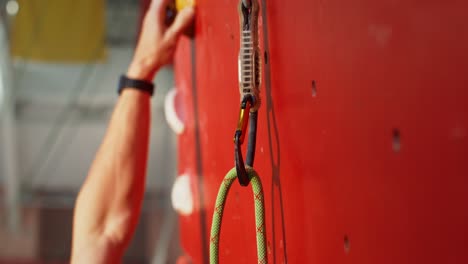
{"x":363,"y":132}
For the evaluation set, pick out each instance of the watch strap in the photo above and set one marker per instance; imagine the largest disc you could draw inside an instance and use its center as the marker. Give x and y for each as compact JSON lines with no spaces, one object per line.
{"x":141,"y":85}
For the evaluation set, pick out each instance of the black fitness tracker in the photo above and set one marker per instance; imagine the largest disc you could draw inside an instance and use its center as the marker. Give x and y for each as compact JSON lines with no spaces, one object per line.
{"x":141,"y":85}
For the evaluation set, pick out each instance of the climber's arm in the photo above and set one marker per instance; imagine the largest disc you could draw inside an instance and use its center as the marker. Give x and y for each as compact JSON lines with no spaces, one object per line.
{"x":109,"y":203}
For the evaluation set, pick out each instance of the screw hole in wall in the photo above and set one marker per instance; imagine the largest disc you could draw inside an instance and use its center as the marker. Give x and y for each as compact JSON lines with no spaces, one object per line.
{"x":347,"y":244}
{"x":314,"y":88}
{"x":396,"y":140}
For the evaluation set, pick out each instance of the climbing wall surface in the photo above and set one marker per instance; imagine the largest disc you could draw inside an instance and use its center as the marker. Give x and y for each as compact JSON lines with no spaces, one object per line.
{"x":362,"y":135}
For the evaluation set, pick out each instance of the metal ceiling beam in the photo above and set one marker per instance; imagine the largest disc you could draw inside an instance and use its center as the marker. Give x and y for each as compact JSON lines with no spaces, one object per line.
{"x":8,"y":132}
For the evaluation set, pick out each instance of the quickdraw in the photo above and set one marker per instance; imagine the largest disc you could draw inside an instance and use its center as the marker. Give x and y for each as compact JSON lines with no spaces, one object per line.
{"x":249,"y":86}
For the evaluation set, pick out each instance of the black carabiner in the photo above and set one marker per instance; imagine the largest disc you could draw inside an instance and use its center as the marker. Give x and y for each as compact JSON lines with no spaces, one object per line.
{"x":239,"y":136}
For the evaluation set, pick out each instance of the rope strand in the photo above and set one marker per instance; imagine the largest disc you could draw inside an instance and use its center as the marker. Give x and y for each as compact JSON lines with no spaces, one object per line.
{"x":259,"y":215}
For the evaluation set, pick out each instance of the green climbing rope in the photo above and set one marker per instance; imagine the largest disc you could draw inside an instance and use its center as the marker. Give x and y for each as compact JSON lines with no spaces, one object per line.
{"x":259,"y":215}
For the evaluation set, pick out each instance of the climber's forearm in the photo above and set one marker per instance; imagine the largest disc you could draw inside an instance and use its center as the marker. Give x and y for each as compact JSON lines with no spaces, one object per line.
{"x":109,"y":203}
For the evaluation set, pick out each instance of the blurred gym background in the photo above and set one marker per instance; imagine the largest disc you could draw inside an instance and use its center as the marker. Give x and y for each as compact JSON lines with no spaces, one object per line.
{"x":59,"y":65}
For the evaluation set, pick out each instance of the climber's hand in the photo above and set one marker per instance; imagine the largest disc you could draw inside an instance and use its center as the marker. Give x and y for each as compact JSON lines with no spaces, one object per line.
{"x":157,"y":41}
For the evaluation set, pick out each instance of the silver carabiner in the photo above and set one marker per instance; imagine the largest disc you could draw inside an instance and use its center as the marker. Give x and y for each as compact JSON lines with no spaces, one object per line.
{"x":249,"y":52}
{"x":247,"y":3}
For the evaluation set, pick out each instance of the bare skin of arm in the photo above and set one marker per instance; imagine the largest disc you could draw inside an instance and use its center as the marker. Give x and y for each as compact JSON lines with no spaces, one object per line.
{"x":109,"y":203}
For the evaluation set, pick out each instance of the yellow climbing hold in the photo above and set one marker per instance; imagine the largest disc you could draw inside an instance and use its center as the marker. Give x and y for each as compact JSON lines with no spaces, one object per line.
{"x":181,"y":4}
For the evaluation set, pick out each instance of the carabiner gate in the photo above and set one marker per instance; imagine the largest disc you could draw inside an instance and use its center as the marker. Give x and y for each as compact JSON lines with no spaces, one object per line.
{"x":245,"y":117}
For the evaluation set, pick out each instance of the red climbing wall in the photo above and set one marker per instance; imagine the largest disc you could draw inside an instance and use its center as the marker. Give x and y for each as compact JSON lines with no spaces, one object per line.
{"x":363,"y":132}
